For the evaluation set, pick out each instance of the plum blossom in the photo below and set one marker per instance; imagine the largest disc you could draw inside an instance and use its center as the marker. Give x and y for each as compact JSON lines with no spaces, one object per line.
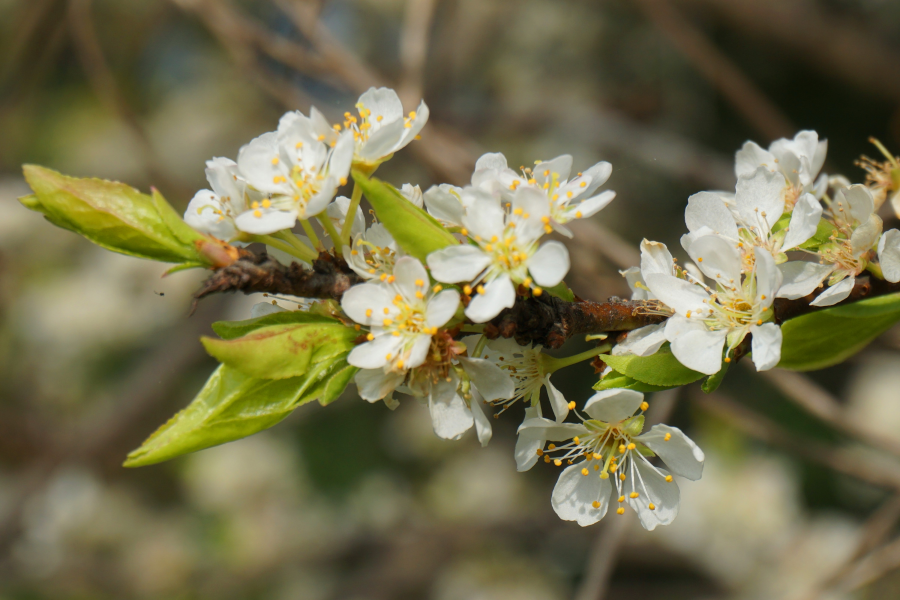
{"x":298,"y":171}
{"x":750,"y":223}
{"x":706,"y":321}
{"x":567,"y":199}
{"x":506,"y":252}
{"x":889,"y":255}
{"x":798,"y":160}
{"x":337,"y":212}
{"x":379,"y":131}
{"x":608,"y":444}
{"x":857,"y":229}
{"x":214,"y":211}
{"x":374,"y":253}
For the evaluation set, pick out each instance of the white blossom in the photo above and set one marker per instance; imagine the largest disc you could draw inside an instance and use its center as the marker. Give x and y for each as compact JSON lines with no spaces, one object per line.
{"x":298,"y":171}
{"x":213,"y":211}
{"x":889,"y":255}
{"x":506,"y":253}
{"x":380,"y":130}
{"x":799,"y":160}
{"x":374,"y":253}
{"x":413,"y":193}
{"x":707,"y":321}
{"x":337,"y":212}
{"x":608,"y":444}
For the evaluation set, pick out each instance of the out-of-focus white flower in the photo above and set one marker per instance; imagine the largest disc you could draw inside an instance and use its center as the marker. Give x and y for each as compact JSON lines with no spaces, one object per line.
{"x":758,"y":206}
{"x":857,"y":231}
{"x":507,"y":253}
{"x":608,"y":443}
{"x":337,"y":212}
{"x":413,"y":193}
{"x":379,"y":131}
{"x":567,"y":199}
{"x":799,"y":160}
{"x":705,"y":320}
{"x":374,"y":253}
{"x":527,"y":368}
{"x":213,"y":211}
{"x":889,"y":255}
{"x":298,"y":170}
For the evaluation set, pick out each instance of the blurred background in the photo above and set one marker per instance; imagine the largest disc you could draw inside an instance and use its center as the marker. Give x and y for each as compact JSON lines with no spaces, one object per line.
{"x":801,"y":493}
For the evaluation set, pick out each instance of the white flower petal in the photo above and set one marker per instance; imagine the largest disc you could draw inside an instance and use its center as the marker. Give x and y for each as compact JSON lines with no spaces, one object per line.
{"x":560,"y":167}
{"x":551,"y":430}
{"x":864,"y":237}
{"x":682,"y":456}
{"x":760,"y":199}
{"x":373,"y":355}
{"x":484,"y":218}
{"x":858,"y":200}
{"x":574,"y":496}
{"x":612,"y":406}
{"x":206,"y":213}
{"x":557,"y":401}
{"x":766,"y":345}
{"x":408,"y":271}
{"x":441,"y":308}
{"x":643,"y":341}
{"x":655,"y":258}
{"x":768,"y":277}
{"x":718,"y":259}
{"x":707,"y":209}
{"x":450,"y":416}
{"x":836,"y":293}
{"x":804,"y":221}
{"x":694,"y":345}
{"x":549,"y":264}
{"x":599,"y":174}
{"x":382,"y":102}
{"x":491,"y":381}
{"x":260,"y":164}
{"x":498,"y":294}
{"x":652,"y":487}
{"x":529,"y":442}
{"x":636,"y":282}
{"x":889,"y":255}
{"x":491,"y":160}
{"x":417,"y":354}
{"x":800,"y":278}
{"x":483,"y":428}
{"x":680,"y":295}
{"x":360,"y":299}
{"x":444,"y":204}
{"x":261,"y":309}
{"x":413,"y":193}
{"x":750,"y":157}
{"x":268,"y":221}
{"x":455,"y":264}
{"x":375,"y":384}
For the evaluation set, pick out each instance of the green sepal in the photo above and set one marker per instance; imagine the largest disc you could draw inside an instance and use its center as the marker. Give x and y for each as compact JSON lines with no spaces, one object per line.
{"x":232,"y":406}
{"x":113,"y":215}
{"x":830,"y":336}
{"x":616,"y":380}
{"x":417,"y":232}
{"x":562,"y":291}
{"x":282,"y":351}
{"x":659,"y":369}
{"x":713,"y":382}
{"x":824,"y":231}
{"x":230,"y":330}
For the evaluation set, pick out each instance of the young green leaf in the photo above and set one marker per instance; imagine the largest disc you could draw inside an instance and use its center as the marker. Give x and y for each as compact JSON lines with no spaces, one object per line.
{"x":660,"y":369}
{"x":232,"y":406}
{"x":112,"y":215}
{"x":713,"y":382}
{"x":616,"y":380}
{"x":229,"y":330}
{"x":417,"y":232}
{"x":282,"y":351}
{"x":561,"y":290}
{"x":828,"y":337}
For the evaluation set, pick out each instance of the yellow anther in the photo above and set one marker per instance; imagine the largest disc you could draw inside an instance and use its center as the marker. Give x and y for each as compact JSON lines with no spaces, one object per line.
{"x":257,"y":213}
{"x":667,"y":437}
{"x":437,"y":288}
{"x":537,"y":291}
{"x":763,"y":297}
{"x":527,"y":282}
{"x":488,"y":248}
{"x":387,"y":322}
{"x":557,"y":462}
{"x":464,"y":231}
{"x":645,"y":405}
{"x":585,"y":472}
{"x":370,"y":337}
{"x":700,"y":259}
{"x":546,"y":458}
{"x":552,"y":447}
{"x":669,"y":478}
{"x":336,"y":127}
{"x":357,"y":327}
{"x":568,"y":194}
{"x":379,"y":118}
{"x":399,"y":364}
{"x":386,"y":310}
{"x":517,"y":211}
{"x":321,"y":137}
{"x":419,"y":294}
{"x":688,"y":315}
{"x":571,"y":406}
{"x":597,"y":456}
{"x":480,"y":289}
{"x":759,"y":322}
{"x":383,"y":276}
{"x":254,"y":205}
{"x":343,"y":181}
{"x":467,"y":290}
{"x":396,"y":334}
{"x":540,"y":451}
{"x":576,"y":440}
{"x":621,"y":510}
{"x":728,"y":359}
{"x":631,"y":446}
{"x":274,"y":160}
{"x":621,"y":448}
{"x":621,"y":499}
{"x":578,"y":214}
{"x":419,"y":282}
{"x":651,"y":506}
{"x":545,"y":220}
{"x":388,"y":356}
{"x":604,"y":475}
{"x":298,"y":145}
{"x":583,"y":184}
{"x":412,"y":114}
{"x":613,"y":467}
{"x":622,"y":476}
{"x":368,"y":312}
{"x":633,"y":495}
{"x":595,"y":504}
{"x":391,"y":279}
{"x":597,"y":468}
{"x":398,"y":298}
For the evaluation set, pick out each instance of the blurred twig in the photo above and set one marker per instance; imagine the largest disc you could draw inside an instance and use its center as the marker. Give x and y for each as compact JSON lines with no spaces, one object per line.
{"x":766,"y":430}
{"x":414,"y":47}
{"x":814,"y":399}
{"x":746,"y":98}
{"x":602,"y":560}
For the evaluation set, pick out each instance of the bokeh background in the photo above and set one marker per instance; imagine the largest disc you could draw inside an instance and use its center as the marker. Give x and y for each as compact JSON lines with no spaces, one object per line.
{"x":799,"y":497}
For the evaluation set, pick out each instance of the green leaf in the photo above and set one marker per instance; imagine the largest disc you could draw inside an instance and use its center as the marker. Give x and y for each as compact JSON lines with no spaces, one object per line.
{"x":282,"y":351}
{"x":112,"y":215}
{"x":229,"y":330}
{"x":660,"y":369}
{"x":232,"y":406}
{"x":338,"y":381}
{"x":830,"y":336}
{"x":824,"y":230}
{"x":713,"y":382}
{"x":417,"y":232}
{"x":616,"y":380}
{"x":561,"y":290}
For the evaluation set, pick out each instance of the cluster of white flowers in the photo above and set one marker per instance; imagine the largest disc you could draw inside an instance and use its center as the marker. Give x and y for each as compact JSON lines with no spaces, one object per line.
{"x":738,"y":244}
{"x":294,"y":172}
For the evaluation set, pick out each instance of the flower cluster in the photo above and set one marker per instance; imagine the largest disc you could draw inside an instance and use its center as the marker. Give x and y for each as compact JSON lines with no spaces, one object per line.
{"x":739,"y":243}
